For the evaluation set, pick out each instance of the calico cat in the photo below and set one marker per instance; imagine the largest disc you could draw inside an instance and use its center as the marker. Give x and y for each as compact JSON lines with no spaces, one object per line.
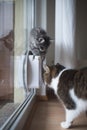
{"x":70,"y":86}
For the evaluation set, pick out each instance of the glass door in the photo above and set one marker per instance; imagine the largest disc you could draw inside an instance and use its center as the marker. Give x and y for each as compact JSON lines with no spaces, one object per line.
{"x":16,"y":21}
{"x":7,"y":105}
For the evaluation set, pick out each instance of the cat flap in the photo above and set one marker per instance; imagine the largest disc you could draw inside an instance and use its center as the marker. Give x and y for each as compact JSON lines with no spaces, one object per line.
{"x":33,"y":74}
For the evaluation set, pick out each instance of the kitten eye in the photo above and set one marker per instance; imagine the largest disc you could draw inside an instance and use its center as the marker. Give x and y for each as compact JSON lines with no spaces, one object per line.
{"x":42,"y":48}
{"x":41,"y":40}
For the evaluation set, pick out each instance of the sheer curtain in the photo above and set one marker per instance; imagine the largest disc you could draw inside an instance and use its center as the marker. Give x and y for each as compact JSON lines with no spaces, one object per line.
{"x":71,"y":33}
{"x":65,"y":33}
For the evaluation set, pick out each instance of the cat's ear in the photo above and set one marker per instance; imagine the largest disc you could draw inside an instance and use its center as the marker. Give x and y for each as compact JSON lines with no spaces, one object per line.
{"x":46,"y":69}
{"x":57,"y":64}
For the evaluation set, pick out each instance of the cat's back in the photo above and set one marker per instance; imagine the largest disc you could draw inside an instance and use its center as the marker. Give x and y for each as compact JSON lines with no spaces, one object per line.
{"x":80,"y":83}
{"x":74,"y":76}
{"x":67,"y":77}
{"x":72,"y":88}
{"x":74,"y":79}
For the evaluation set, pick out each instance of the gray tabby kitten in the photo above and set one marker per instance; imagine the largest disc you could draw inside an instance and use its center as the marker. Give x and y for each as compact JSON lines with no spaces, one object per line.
{"x":39,"y":41}
{"x":70,"y":86}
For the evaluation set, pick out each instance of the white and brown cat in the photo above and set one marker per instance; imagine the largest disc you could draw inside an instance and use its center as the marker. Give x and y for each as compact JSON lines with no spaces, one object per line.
{"x":71,"y":88}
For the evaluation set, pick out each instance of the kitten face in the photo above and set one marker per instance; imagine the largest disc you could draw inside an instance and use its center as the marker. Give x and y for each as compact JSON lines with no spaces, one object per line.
{"x":39,"y":41}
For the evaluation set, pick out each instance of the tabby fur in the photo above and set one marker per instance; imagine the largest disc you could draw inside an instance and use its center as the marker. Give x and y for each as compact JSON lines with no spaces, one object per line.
{"x":39,"y":41}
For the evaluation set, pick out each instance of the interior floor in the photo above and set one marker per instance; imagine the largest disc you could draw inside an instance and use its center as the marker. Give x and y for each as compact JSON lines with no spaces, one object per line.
{"x":47,"y":115}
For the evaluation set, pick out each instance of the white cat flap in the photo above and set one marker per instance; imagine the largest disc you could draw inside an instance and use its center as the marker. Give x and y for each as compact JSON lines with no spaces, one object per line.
{"x":33,"y":72}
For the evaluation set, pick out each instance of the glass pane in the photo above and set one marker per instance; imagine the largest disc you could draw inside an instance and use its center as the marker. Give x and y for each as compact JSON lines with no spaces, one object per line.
{"x":6,"y":61}
{"x":15,"y":26}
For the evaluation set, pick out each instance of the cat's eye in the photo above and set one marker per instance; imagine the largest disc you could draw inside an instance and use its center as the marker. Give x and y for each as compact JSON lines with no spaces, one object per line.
{"x":41,"y":40}
{"x":42,"y":48}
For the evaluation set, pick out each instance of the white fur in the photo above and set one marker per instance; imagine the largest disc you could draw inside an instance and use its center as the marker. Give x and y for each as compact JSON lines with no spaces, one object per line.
{"x":81,"y":105}
{"x":54,"y":84}
{"x":55,"y":81}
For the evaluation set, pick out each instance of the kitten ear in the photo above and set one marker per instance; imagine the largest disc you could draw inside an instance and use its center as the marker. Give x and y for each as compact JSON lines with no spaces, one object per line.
{"x":46,"y":68}
{"x":57,"y":64}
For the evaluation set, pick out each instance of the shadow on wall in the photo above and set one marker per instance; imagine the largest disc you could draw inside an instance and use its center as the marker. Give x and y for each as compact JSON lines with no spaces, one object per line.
{"x":81,"y":29}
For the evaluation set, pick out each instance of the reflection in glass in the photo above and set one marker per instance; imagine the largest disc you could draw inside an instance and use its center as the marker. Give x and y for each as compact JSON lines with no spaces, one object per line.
{"x":13,"y":36}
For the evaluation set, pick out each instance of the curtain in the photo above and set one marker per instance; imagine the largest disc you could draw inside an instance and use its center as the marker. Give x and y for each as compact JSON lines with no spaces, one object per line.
{"x":65,"y":33}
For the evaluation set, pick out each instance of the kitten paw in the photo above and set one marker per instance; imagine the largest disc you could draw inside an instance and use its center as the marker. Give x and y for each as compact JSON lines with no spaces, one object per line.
{"x":65,"y":125}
